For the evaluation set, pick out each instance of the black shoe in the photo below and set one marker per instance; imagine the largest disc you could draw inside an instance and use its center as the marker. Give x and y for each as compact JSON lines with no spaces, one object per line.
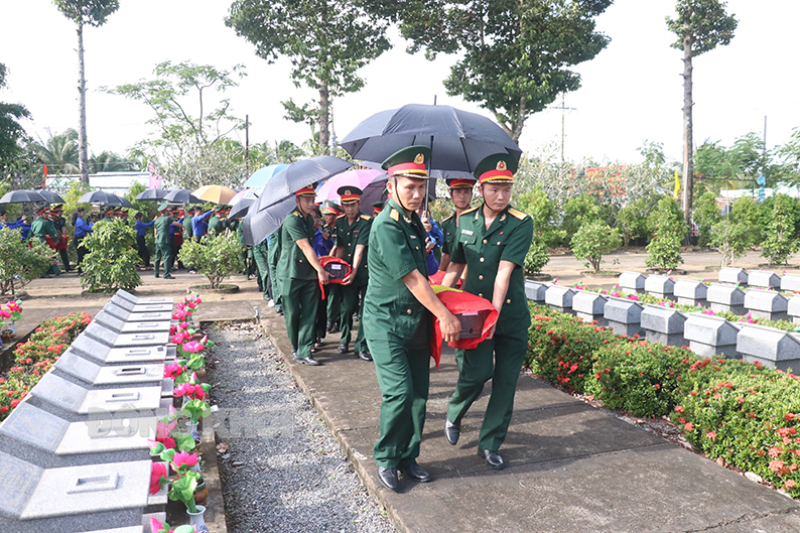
{"x":388,"y":477}
{"x":329,"y":327}
{"x":158,"y":276}
{"x":343,"y":348}
{"x":364,"y":356}
{"x":168,"y":276}
{"x":294,"y":354}
{"x":416,"y":472}
{"x":492,"y":458}
{"x":451,"y":432}
{"x":310,"y":361}
{"x":335,"y":328}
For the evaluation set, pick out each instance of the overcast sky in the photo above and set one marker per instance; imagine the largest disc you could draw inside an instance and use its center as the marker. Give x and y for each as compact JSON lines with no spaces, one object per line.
{"x":631,"y":92}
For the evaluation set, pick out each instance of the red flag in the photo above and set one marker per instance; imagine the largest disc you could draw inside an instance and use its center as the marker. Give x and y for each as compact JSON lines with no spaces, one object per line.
{"x":45,"y":170}
{"x":334,"y":264}
{"x":465,"y":306}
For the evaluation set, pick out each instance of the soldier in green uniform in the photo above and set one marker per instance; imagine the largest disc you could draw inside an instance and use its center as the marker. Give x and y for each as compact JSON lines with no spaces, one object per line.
{"x":215,"y":225}
{"x":57,"y":216}
{"x":331,"y":211}
{"x":352,"y":236}
{"x":377,"y":207}
{"x":276,"y":277}
{"x":108,"y":214}
{"x":42,"y":227}
{"x":302,"y":274}
{"x":461,"y":194}
{"x":492,"y":241}
{"x":261,"y":258}
{"x":398,"y":311}
{"x":164,"y":240}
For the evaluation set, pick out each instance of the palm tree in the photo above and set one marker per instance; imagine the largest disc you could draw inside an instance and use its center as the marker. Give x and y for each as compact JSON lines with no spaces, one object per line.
{"x":110,"y":162}
{"x":60,"y":152}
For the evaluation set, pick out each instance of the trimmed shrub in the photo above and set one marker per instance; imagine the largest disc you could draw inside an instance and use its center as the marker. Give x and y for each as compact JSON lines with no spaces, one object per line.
{"x":112,"y":258}
{"x":216,"y":257}
{"x":537,"y":257}
{"x":666,"y":222}
{"x":21,"y":261}
{"x":781,"y":242}
{"x":594,"y":240}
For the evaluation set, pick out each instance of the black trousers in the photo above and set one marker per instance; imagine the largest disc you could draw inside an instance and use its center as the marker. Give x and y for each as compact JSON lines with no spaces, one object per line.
{"x":144,"y":253}
{"x":81,"y":250}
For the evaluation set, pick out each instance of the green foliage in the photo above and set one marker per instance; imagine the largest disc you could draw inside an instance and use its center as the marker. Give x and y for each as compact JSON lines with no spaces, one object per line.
{"x":594,"y":240}
{"x":781,"y":235}
{"x":91,"y":12}
{"x":731,"y":239}
{"x":216,"y":257}
{"x":19,"y":262}
{"x":59,"y":152}
{"x":75,"y":191}
{"x":580,"y":210}
{"x":704,"y":23}
{"x":755,"y":215}
{"x":538,"y":205}
{"x":148,"y":209}
{"x":706,"y":214}
{"x":11,"y":131}
{"x":789,"y":169}
{"x":537,"y":257}
{"x":182,"y":490}
{"x":718,"y":167}
{"x":632,"y":221}
{"x":111,"y":261}
{"x":668,"y":230}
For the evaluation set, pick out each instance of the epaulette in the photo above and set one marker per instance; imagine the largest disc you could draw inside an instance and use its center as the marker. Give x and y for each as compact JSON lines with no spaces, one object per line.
{"x":365,"y":217}
{"x":341,"y":216}
{"x":394,"y":215}
{"x":295,"y":213}
{"x":470,"y":210}
{"x":448,"y":218}
{"x":516,"y":213}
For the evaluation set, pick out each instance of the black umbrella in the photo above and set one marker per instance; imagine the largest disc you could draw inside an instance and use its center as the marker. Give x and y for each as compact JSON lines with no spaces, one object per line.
{"x":298,"y":175}
{"x":51,"y":197}
{"x":102,"y":198}
{"x":152,"y":195}
{"x":182,"y":196}
{"x":458,"y":140}
{"x":258,"y":225}
{"x":21,"y":196}
{"x":240,"y":208}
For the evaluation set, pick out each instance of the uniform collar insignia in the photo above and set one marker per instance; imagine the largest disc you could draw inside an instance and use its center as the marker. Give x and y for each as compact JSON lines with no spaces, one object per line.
{"x":502,"y":218}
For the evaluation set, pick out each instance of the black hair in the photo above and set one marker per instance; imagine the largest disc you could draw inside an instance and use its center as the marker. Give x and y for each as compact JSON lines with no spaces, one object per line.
{"x":2,"y":211}
{"x":317,"y":212}
{"x":138,"y":215}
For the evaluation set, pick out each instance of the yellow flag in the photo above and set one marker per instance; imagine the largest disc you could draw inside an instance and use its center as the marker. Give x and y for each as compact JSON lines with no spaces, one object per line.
{"x":677,"y":186}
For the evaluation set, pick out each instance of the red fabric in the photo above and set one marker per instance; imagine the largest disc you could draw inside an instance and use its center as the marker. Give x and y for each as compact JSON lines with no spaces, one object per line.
{"x":458,"y":302}
{"x":178,"y":238}
{"x":438,"y":278}
{"x":62,"y":242}
{"x":328,"y":259}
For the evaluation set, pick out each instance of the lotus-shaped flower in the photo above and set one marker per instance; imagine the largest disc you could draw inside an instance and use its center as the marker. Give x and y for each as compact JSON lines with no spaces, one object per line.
{"x":173,"y":371}
{"x":184,"y":460}
{"x":5,"y":314}
{"x":709,"y":312}
{"x":192,"y":347}
{"x":179,"y":314}
{"x":158,"y":471}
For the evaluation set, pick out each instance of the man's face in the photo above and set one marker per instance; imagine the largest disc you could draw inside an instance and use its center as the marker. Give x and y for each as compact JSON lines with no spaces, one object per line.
{"x":409,"y":191}
{"x":351,"y":209}
{"x":461,"y":196}
{"x":305,"y":204}
{"x":330,"y":219}
{"x":496,"y":195}
{"x":317,"y":220}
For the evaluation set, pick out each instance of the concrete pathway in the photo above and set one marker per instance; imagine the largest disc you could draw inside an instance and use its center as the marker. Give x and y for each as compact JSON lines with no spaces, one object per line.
{"x":571,"y":468}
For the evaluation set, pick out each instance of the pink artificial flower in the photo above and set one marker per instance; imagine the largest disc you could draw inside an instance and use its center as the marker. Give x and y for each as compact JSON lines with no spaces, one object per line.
{"x":4,"y":313}
{"x":183,"y":325}
{"x":183,"y":389}
{"x":157,"y":471}
{"x":633,"y":297}
{"x":192,"y":347}
{"x":178,"y":338}
{"x":184,"y":458}
{"x":173,"y":371}
{"x":615,"y":294}
{"x":709,"y":312}
{"x":179,"y":315}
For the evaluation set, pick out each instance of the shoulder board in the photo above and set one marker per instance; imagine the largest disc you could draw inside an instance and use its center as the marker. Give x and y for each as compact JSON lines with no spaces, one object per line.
{"x":365,"y":217}
{"x":471,"y":210}
{"x":517,"y":214}
{"x":448,"y":218}
{"x":341,"y":216}
{"x":394,"y":215}
{"x":295,"y":213}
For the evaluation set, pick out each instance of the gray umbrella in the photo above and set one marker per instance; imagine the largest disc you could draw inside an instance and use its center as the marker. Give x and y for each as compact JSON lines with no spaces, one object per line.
{"x":298,"y":175}
{"x":51,"y":197}
{"x":102,"y":198}
{"x":240,"y":208}
{"x":152,"y":195}
{"x":21,"y":196}
{"x":258,"y":225}
{"x":182,"y":196}
{"x":458,"y":140}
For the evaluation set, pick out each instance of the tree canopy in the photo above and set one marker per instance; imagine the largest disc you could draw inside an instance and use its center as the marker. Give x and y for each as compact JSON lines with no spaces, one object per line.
{"x":11,"y":131}
{"x":703,"y":23}
{"x":91,"y":12}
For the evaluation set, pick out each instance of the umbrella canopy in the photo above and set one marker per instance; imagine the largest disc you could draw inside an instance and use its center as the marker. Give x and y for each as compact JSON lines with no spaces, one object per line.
{"x":51,"y":197}
{"x":152,"y":195}
{"x":102,"y":198}
{"x":247,"y":194}
{"x":352,"y":178}
{"x":216,"y":194}
{"x":261,"y":176}
{"x":299,"y":175}
{"x":458,"y":140}
{"x":21,"y":196}
{"x":258,"y":225}
{"x":182,"y":196}
{"x":239,"y":209}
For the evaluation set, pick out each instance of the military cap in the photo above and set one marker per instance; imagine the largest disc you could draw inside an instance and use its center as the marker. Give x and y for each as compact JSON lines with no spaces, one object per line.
{"x":163,"y":207}
{"x":460,"y":183}
{"x":409,"y":162}
{"x":42,"y":210}
{"x":377,"y":207}
{"x":306,"y":191}
{"x":349,"y":194}
{"x":496,"y":168}
{"x":56,"y":207}
{"x":329,"y":207}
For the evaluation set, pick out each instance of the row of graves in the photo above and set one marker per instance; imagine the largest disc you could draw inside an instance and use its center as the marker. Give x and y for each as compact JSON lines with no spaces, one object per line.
{"x":74,"y":454}
{"x":761,"y":298}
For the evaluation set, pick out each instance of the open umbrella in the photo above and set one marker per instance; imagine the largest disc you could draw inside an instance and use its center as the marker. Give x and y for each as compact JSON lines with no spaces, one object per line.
{"x":216,"y":194}
{"x":258,"y":225}
{"x":125,"y":202}
{"x":21,"y":196}
{"x":182,"y":196}
{"x":301,"y":174}
{"x":51,"y":197}
{"x":239,"y":209}
{"x":152,"y":195}
{"x":351,"y":178}
{"x":101,"y":198}
{"x":261,"y":176}
{"x":458,"y":140}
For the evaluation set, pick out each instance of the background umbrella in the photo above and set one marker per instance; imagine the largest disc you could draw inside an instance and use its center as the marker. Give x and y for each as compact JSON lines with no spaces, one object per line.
{"x":125,"y":202}
{"x":258,"y":225}
{"x":51,"y":197}
{"x":300,"y":174}
{"x":216,"y":194}
{"x":21,"y":196}
{"x":374,"y":191}
{"x":353,"y":178}
{"x":239,"y":209}
{"x":101,"y":198}
{"x":458,"y":140}
{"x":247,"y":194}
{"x":261,"y":176}
{"x":182,"y":196}
{"x":152,"y":195}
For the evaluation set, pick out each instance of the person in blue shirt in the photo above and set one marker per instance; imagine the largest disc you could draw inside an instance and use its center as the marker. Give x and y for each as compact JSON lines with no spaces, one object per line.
{"x":435,"y":240}
{"x":82,"y":230}
{"x":4,"y":223}
{"x":200,"y":224}
{"x":141,"y":243}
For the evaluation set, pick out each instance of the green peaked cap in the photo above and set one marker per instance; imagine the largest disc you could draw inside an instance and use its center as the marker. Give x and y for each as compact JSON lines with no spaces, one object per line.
{"x":163,"y":206}
{"x":411,"y":155}
{"x":492,"y":162}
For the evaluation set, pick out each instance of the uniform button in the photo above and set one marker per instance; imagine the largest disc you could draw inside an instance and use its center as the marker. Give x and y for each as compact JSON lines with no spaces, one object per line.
{"x":417,"y":247}
{"x":409,"y":311}
{"x":481,"y":259}
{"x":508,"y":301}
{"x":301,"y":260}
{"x":480,"y":294}
{"x":480,"y":277}
{"x":498,"y":242}
{"x":484,"y":241}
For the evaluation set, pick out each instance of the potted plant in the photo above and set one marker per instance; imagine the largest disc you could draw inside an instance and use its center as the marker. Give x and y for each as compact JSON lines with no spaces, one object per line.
{"x":9,"y":316}
{"x":183,"y":489}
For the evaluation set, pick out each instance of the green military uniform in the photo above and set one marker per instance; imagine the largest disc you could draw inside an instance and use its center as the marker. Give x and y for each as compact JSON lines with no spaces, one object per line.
{"x":300,"y":290}
{"x":260,"y":257}
{"x":188,"y":231}
{"x":163,"y":244}
{"x":215,"y":225}
{"x":333,"y":295}
{"x":449,"y":231}
{"x":275,"y":276}
{"x":39,"y":229}
{"x":248,"y":257}
{"x":507,"y":239}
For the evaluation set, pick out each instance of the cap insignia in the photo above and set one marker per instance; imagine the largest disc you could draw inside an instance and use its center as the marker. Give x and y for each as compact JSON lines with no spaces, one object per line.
{"x":501,"y":165}
{"x":420,"y":159}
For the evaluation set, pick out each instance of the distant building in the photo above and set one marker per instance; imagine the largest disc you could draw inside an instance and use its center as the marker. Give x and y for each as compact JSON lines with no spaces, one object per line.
{"x":113,"y":182}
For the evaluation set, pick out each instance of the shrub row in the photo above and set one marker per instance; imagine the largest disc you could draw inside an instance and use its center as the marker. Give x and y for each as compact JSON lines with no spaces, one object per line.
{"x":740,"y":411}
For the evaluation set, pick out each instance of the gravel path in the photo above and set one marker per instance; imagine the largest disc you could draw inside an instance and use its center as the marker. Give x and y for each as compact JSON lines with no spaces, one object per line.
{"x":281,"y":468}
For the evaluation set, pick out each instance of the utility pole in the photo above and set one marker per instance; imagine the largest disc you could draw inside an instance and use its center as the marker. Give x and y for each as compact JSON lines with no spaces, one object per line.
{"x":247,"y":143}
{"x":564,"y":110}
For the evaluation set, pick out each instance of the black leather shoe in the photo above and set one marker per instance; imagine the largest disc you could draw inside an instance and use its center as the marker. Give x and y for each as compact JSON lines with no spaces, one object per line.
{"x":334,"y":328}
{"x":492,"y":459}
{"x":343,"y":348}
{"x":329,"y":327}
{"x":416,"y":472}
{"x":364,"y":356}
{"x":388,"y":477}
{"x":451,"y":432}
{"x":310,"y":361}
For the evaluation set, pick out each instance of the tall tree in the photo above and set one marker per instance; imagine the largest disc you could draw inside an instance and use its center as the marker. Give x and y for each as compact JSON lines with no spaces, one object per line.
{"x":327,"y":41}
{"x":11,"y":131}
{"x":516,"y":56}
{"x":701,"y":25}
{"x":59,"y":152}
{"x":92,"y":13}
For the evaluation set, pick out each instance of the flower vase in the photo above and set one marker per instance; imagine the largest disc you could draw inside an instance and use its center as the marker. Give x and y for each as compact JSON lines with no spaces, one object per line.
{"x":7,"y":330}
{"x":201,"y":492}
{"x":196,"y":519}
{"x":192,"y":429}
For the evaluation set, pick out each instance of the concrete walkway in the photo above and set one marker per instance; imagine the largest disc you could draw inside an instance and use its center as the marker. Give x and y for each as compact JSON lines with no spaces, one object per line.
{"x":571,"y":468}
